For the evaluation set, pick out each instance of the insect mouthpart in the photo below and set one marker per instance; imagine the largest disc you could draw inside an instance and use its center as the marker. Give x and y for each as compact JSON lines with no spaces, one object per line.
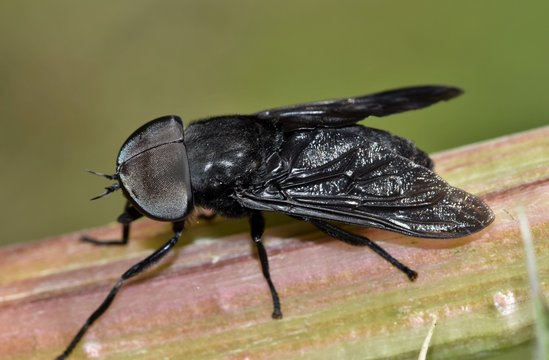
{"x":108,"y":189}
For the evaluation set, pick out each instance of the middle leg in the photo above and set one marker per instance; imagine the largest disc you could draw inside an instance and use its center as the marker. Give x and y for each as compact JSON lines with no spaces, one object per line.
{"x":257,"y":224}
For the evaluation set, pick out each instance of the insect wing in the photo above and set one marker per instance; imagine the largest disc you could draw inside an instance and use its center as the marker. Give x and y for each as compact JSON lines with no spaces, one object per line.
{"x":342,"y":112}
{"x":333,"y":174}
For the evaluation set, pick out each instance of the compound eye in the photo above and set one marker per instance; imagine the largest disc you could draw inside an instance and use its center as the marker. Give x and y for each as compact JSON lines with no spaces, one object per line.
{"x":154,"y":170}
{"x":163,"y":130}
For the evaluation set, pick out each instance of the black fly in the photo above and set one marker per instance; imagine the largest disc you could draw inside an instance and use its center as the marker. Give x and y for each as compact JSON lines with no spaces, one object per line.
{"x":309,"y":161}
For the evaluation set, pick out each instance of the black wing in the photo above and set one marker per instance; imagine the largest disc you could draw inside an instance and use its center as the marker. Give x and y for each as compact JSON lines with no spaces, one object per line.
{"x":337,"y":174}
{"x":342,"y":112}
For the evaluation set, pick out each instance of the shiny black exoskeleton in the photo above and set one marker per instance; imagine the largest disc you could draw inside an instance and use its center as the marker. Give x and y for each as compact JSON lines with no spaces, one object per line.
{"x":309,"y":161}
{"x":225,"y":154}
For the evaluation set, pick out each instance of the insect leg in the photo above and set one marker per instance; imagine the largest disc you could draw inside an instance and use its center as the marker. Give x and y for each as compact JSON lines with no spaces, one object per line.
{"x":131,"y":272}
{"x":257,"y":224}
{"x":129,"y":215}
{"x":357,"y":240}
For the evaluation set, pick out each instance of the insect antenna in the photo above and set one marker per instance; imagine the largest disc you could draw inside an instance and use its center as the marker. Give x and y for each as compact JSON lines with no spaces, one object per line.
{"x":110,"y":177}
{"x":108,"y":189}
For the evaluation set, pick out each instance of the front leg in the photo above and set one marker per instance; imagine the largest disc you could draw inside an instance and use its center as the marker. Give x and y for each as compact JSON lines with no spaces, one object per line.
{"x":257,"y":224}
{"x":130,"y":273}
{"x":129,"y":215}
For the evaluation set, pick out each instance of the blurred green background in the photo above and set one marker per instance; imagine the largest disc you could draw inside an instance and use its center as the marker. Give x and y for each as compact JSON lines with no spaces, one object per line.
{"x":78,"y":77}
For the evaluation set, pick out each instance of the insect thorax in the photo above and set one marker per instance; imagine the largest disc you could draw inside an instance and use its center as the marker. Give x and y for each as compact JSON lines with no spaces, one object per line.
{"x":226,"y":154}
